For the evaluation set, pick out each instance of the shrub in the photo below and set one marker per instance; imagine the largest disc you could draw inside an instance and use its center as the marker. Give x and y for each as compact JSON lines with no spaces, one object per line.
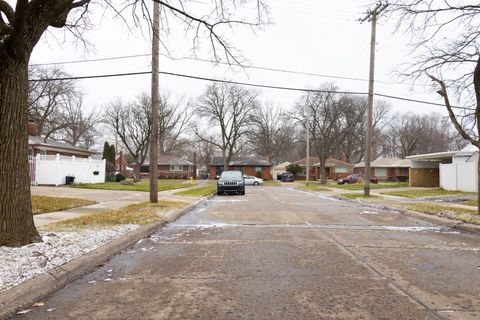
{"x":110,"y":177}
{"x":119,"y":177}
{"x":294,"y":168}
{"x":259,"y":174}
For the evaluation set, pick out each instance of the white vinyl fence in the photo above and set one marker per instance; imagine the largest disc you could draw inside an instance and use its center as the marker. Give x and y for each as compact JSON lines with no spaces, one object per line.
{"x":459,"y":176}
{"x":52,"y":170}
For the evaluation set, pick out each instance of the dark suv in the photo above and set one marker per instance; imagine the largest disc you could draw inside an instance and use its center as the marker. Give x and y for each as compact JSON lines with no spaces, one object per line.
{"x":287,"y":177}
{"x":231,"y":182}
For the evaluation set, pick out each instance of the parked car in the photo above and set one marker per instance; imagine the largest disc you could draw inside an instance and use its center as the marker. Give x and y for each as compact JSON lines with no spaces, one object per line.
{"x":287,"y":177}
{"x":231,"y":182}
{"x":252,"y":181}
{"x":355,"y":178}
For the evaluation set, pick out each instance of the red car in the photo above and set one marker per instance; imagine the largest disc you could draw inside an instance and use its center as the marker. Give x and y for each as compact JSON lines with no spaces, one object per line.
{"x":355,"y":178}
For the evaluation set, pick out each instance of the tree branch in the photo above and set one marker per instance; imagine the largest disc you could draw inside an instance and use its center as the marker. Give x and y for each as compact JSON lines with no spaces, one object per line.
{"x":443,"y":92}
{"x":8,"y":11}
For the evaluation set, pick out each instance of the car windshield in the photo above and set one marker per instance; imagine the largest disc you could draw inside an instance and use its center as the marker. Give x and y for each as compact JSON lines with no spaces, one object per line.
{"x":231,"y":175}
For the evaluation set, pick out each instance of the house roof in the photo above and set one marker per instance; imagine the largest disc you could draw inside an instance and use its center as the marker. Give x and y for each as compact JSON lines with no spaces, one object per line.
{"x":439,"y":156}
{"x":330,"y":162}
{"x":282,"y":165}
{"x":239,"y":161}
{"x":170,"y":159}
{"x":382,"y":162}
{"x":36,"y":141}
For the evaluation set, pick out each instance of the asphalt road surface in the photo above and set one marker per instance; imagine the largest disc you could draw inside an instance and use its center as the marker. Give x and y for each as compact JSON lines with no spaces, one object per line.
{"x":281,"y":253}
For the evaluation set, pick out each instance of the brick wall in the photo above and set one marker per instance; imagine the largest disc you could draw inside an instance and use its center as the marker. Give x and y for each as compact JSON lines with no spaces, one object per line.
{"x":421,"y":177}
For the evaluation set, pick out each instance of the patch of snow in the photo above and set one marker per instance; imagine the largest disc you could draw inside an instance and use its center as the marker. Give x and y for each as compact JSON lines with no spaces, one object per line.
{"x":410,"y":229}
{"x":369,"y":212}
{"x":20,"y":264}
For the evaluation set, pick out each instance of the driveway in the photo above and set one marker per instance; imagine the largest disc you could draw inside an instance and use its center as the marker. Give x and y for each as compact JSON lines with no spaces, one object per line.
{"x":281,"y":253}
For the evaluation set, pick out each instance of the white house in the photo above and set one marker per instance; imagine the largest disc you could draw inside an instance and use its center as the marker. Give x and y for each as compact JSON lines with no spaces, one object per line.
{"x":279,"y":169}
{"x":451,"y":170}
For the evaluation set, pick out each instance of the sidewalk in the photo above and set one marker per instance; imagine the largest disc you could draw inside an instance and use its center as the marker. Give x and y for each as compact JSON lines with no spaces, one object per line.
{"x":107,"y":200}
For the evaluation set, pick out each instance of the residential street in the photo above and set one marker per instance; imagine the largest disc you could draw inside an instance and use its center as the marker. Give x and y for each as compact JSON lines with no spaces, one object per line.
{"x":281,"y":253}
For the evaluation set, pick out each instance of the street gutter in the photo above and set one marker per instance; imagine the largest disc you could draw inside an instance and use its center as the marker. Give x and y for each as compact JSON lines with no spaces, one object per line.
{"x":33,"y":290}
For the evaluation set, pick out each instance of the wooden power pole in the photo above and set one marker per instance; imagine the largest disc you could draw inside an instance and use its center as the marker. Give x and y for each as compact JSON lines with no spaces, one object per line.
{"x":308,"y":151}
{"x":155,"y":104}
{"x":371,"y":16}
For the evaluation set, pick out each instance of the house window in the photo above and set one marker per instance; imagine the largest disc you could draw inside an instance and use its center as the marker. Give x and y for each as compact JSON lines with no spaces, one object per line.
{"x":43,"y":152}
{"x":381,"y":172}
{"x":341,"y":170}
{"x":176,"y":167}
{"x":258,"y":169}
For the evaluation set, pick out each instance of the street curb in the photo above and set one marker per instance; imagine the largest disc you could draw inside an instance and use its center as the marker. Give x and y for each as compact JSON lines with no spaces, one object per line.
{"x":27,"y":293}
{"x":446,"y":222}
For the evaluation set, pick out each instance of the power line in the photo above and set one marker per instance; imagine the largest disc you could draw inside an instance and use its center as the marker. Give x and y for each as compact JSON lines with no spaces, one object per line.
{"x":264,"y":86}
{"x":222,"y":63}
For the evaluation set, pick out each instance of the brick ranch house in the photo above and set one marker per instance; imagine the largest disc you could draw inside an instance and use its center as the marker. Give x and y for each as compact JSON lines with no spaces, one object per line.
{"x":48,"y":147}
{"x":249,"y":166}
{"x":51,"y":162}
{"x":390,"y":169}
{"x":334,"y":169}
{"x":171,"y":167}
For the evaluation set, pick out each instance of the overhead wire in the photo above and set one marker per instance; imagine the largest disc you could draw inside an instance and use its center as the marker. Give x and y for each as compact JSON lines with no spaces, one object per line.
{"x":339,"y":77}
{"x":265,"y":86}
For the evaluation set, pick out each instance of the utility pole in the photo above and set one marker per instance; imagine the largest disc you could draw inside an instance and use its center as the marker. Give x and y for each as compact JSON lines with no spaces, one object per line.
{"x":371,"y":16}
{"x":308,"y":151}
{"x":155,"y":104}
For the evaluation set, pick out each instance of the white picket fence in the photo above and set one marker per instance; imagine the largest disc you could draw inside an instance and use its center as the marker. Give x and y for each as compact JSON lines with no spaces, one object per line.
{"x":53,"y":170}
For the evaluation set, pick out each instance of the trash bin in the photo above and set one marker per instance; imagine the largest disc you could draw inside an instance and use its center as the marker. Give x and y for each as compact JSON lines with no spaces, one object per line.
{"x":69,"y":180}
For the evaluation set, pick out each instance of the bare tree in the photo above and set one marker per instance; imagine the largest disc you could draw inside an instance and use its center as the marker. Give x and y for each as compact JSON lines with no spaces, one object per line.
{"x":269,"y":134}
{"x":22,"y":26}
{"x":321,"y":112}
{"x":131,"y":123}
{"x":352,"y":148}
{"x":175,"y":120}
{"x":229,"y":109}
{"x":48,"y":99}
{"x":408,"y":134}
{"x":80,"y":126}
{"x":445,"y":39}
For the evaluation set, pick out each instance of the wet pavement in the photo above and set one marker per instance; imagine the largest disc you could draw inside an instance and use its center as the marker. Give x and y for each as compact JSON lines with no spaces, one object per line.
{"x":281,"y":253}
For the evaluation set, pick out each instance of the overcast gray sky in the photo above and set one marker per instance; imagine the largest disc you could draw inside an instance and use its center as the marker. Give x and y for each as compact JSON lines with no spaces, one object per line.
{"x":312,"y":36}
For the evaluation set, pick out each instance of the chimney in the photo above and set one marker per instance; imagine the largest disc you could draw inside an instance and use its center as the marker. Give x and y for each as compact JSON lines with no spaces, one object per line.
{"x":32,"y":128}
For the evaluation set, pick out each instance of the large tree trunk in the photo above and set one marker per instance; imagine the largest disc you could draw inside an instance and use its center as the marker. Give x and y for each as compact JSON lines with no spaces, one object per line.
{"x":323,"y":179}
{"x":16,"y":220}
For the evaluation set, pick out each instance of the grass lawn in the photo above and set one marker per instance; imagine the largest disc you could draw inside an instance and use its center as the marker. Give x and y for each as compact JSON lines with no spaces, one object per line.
{"x":424,"y":193}
{"x":359,"y":196}
{"x":313,"y":187}
{"x":460,"y":214}
{"x":42,"y":204}
{"x":141,"y":213}
{"x":143,"y":185}
{"x":473,"y":203}
{"x":202,"y":191}
{"x":359,"y":186}
{"x":272,"y":183}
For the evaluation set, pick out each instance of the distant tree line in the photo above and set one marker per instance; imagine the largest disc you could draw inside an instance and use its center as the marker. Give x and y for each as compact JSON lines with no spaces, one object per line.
{"x":231,"y":120}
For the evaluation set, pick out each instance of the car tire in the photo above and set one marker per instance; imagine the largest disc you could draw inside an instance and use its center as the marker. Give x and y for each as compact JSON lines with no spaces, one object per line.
{"x":255,"y":183}
{"x":219,"y":193}
{"x":242,"y":193}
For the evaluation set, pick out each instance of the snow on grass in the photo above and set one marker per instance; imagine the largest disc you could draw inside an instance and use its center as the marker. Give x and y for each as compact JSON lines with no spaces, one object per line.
{"x":20,"y":264}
